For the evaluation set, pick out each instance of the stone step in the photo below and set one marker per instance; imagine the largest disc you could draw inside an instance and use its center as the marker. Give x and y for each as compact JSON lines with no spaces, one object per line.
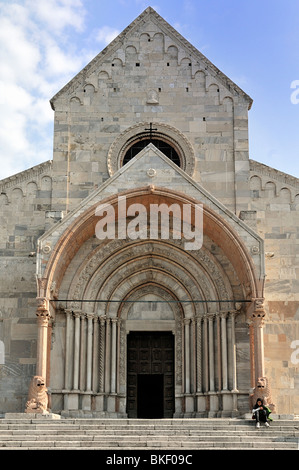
{"x":162,"y":445}
{"x":171,"y":433}
{"x":150,"y":439}
{"x":103,"y":434}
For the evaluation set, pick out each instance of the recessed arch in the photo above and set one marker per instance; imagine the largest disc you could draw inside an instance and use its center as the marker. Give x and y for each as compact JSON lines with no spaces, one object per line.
{"x":118,"y":273}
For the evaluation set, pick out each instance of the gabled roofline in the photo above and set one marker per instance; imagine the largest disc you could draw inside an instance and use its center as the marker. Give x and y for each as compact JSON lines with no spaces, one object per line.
{"x":171,"y":31}
{"x":24,"y":175}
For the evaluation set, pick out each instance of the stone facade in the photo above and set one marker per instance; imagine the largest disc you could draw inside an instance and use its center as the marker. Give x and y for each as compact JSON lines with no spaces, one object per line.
{"x":69,"y":300}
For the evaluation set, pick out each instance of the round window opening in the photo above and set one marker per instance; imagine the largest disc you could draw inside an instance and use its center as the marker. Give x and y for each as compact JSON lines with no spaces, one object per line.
{"x":161,"y":145}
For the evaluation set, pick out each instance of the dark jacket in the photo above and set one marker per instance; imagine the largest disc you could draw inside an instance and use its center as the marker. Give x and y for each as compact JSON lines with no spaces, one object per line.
{"x":256,"y":407}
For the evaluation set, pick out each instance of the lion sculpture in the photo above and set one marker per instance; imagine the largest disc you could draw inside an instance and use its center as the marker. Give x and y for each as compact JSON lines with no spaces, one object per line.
{"x":262,"y":390}
{"x":37,"y":396}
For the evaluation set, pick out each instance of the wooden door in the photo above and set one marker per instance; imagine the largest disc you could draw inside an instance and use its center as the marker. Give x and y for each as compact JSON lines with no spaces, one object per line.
{"x":150,"y":375}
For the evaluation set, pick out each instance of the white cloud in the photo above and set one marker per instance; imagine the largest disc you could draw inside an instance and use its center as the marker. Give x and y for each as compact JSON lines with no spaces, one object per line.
{"x":106,"y":34}
{"x":58,"y":14}
{"x":37,"y":58}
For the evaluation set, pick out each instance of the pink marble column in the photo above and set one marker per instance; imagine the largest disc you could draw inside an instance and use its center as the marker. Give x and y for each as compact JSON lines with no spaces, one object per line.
{"x":43,"y":317}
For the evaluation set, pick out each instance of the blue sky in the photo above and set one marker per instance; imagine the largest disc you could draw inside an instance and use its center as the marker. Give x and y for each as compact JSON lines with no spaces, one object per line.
{"x":44,"y":43}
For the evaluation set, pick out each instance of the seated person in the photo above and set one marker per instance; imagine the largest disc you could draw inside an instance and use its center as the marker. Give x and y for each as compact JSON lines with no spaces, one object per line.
{"x":261,"y":413}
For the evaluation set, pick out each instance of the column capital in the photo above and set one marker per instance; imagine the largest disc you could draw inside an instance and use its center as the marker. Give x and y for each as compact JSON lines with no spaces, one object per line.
{"x":223,"y":314}
{"x":258,"y":314}
{"x":77,"y":313}
{"x":258,"y":306}
{"x":42,"y":311}
{"x":89,"y":316}
{"x":211,"y":315}
{"x":42,"y":304}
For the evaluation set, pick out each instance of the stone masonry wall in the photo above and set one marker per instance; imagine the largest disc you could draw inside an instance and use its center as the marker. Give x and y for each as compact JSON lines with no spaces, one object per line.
{"x":25,"y":204}
{"x":275,"y":200}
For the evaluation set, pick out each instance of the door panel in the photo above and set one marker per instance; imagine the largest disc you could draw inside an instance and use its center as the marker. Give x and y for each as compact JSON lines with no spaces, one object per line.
{"x":150,"y":371}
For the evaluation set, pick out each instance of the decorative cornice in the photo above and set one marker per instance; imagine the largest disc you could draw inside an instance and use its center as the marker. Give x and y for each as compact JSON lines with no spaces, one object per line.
{"x":23,"y":176}
{"x":263,"y":170}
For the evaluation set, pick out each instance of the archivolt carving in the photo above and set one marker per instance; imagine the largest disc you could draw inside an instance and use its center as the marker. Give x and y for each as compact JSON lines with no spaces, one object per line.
{"x":173,"y":135}
{"x":107,"y":266}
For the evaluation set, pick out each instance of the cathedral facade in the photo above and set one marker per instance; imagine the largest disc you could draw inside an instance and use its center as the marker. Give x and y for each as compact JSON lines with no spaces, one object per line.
{"x":151,"y":269}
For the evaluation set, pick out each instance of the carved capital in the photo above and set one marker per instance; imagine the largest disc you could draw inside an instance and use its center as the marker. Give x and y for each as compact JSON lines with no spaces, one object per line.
{"x":42,"y":311}
{"x":259,"y":305}
{"x":77,"y":313}
{"x":42,"y":304}
{"x":224,"y":314}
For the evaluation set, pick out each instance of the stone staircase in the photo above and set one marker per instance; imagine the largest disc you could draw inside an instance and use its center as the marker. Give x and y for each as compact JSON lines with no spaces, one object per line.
{"x":44,"y":433}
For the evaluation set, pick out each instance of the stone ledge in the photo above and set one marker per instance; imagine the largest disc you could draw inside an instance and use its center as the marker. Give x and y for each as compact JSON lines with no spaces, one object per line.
{"x":275,"y":416}
{"x":31,"y":416}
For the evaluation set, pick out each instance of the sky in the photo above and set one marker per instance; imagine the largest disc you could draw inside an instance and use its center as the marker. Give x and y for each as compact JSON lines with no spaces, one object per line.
{"x":45,"y":43}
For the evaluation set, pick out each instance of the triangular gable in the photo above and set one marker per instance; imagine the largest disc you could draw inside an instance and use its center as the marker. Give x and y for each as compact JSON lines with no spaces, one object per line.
{"x":151,"y":15}
{"x":151,"y":167}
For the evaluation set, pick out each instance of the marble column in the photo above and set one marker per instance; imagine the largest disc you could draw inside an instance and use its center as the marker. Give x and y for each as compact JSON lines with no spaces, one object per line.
{"x":214,"y":400}
{"x":77,"y":315}
{"x":95,"y":354}
{"x":258,"y":324}
{"x":89,"y":352}
{"x":187,"y":355}
{"x":68,"y":338}
{"x":113,"y":354}
{"x":205,"y":354}
{"x":198,"y":355}
{"x":211,"y":353}
{"x":201,"y":399}
{"x":43,"y":317}
{"x":224,"y":351}
{"x":99,"y":399}
{"x":107,"y":356}
{"x":233,"y":352}
{"x":102,"y":348}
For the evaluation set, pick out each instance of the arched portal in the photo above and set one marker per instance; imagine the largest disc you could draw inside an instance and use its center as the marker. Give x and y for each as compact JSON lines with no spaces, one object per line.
{"x":107,"y":290}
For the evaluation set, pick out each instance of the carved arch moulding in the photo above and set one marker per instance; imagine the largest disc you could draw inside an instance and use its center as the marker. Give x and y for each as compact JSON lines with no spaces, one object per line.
{"x":163,"y":131}
{"x":152,"y":257}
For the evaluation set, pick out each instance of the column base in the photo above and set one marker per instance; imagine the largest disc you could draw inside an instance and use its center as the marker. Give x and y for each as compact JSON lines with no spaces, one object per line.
{"x":214,"y":405}
{"x":201,"y":404}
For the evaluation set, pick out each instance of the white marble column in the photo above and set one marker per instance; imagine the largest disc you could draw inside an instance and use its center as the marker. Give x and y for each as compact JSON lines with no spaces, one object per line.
{"x":68,"y":338}
{"x":211,"y":353}
{"x":187,"y":355}
{"x":82,"y":362}
{"x":89,"y":352}
{"x":107,"y":356}
{"x":205,"y":355}
{"x":77,"y":316}
{"x":224,"y":351}
{"x":198,"y":355}
{"x":233,"y":352}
